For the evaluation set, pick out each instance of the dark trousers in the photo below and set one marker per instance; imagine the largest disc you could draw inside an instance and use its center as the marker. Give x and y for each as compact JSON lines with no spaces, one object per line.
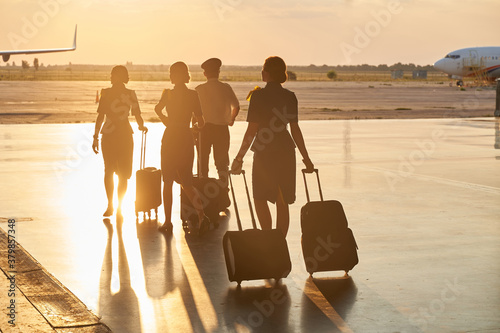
{"x":216,"y":136}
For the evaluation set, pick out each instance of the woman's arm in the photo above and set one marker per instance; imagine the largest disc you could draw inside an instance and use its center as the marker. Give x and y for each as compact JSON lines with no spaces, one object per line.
{"x":136,"y":111}
{"x":161,"y":104}
{"x":250,"y":133}
{"x":140,"y":122}
{"x":98,"y":124}
{"x":299,"y":141}
{"x":247,"y":139}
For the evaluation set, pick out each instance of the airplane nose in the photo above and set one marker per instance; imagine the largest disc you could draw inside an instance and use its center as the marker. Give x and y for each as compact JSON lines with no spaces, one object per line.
{"x":440,"y":65}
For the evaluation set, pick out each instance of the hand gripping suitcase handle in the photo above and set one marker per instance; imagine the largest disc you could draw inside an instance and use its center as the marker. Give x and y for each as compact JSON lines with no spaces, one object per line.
{"x":304,"y":171}
{"x":238,"y":220}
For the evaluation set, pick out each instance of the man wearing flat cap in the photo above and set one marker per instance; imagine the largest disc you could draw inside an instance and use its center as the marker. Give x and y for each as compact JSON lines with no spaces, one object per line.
{"x":220,"y":108}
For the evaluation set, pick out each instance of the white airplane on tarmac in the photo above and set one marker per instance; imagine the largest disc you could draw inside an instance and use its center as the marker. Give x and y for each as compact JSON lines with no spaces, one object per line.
{"x":6,"y":54}
{"x":480,"y":62}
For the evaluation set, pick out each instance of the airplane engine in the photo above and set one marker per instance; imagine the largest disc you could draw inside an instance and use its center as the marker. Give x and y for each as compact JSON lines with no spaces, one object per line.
{"x":5,"y":57}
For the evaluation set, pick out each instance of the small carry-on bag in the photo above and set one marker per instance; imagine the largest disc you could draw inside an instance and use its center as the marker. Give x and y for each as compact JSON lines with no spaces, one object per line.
{"x":255,"y":254}
{"x":147,"y":186}
{"x":328,"y":243}
{"x":213,"y":194}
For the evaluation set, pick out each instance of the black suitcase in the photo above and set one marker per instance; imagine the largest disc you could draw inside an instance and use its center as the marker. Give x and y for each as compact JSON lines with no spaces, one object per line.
{"x":214,"y":198}
{"x":213,"y":194}
{"x":147,"y":186}
{"x":328,"y":243}
{"x":254,"y":254}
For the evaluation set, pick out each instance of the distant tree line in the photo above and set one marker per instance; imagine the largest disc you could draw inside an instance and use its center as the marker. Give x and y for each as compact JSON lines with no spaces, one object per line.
{"x":311,"y":68}
{"x":362,"y":68}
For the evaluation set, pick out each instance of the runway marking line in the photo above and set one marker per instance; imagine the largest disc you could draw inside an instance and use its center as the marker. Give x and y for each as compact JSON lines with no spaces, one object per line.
{"x":206,"y":310}
{"x":317,"y":297}
{"x":439,"y":180}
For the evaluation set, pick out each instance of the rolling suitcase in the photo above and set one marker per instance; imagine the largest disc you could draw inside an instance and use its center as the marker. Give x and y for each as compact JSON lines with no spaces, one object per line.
{"x":254,"y":254}
{"x":213,"y":194}
{"x":328,"y":243}
{"x":147,"y":186}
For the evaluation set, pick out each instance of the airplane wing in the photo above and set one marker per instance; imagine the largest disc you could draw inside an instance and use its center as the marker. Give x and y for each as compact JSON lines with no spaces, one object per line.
{"x":6,"y":54}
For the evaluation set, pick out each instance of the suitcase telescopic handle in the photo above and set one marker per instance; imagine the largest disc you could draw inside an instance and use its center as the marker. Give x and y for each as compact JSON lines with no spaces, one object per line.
{"x":304,"y":171}
{"x":238,"y":220}
{"x":143,"y":151}
{"x":198,"y":154}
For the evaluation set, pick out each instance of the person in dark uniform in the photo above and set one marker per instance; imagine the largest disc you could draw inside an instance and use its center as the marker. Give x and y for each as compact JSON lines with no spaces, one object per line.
{"x":220,"y":108}
{"x":271,"y":109}
{"x":117,"y":143}
{"x":177,"y":147}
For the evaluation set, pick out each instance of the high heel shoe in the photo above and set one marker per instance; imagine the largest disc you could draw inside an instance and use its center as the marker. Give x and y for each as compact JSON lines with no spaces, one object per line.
{"x":166,"y":227}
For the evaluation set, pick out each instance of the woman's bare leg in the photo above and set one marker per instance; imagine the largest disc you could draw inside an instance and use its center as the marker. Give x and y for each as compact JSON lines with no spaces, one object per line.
{"x":109,"y":186}
{"x":122,"y":189}
{"x":167,"y":205}
{"x":263,"y":214}
{"x":282,"y":214}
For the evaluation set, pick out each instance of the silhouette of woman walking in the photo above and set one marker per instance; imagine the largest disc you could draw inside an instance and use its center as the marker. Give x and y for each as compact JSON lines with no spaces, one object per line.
{"x":271,"y":109}
{"x":117,"y":143}
{"x":177,"y":147}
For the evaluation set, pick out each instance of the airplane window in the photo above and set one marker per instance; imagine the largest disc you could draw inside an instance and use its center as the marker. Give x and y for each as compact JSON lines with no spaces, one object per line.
{"x":452,"y":56}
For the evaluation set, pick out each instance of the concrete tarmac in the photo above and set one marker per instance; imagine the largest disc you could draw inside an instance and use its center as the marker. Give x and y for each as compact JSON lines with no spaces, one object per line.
{"x":421,"y":196}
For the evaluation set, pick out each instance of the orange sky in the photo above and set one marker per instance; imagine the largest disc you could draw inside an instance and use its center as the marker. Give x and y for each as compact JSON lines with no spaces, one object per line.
{"x":243,"y":32}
